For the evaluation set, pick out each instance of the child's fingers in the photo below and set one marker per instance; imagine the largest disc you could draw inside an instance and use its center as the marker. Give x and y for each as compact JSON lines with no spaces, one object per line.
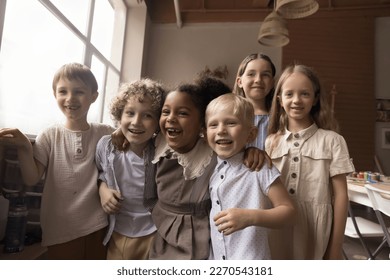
{"x":219,"y":216}
{"x":118,"y":195}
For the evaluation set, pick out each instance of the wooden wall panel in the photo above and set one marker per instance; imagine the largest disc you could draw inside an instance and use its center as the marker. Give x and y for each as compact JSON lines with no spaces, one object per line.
{"x":341,"y":50}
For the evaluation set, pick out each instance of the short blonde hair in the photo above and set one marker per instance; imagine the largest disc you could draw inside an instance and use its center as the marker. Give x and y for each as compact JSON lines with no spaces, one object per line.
{"x":241,"y":107}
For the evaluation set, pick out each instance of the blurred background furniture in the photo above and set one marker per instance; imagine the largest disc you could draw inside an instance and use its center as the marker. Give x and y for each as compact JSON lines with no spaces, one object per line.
{"x":379,"y":195}
{"x":359,"y":226}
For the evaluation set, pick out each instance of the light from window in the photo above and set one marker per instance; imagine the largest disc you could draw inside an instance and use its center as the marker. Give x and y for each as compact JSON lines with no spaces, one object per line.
{"x":36,"y":42}
{"x":34,"y":45}
{"x":76,"y":11}
{"x":103,"y":27}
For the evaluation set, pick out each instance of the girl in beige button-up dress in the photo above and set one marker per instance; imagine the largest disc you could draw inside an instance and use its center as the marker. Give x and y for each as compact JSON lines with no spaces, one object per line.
{"x":313,"y":161}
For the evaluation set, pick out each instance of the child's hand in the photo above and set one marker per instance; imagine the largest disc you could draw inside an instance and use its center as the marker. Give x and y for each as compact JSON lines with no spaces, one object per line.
{"x":110,"y":199}
{"x":254,"y":158}
{"x":231,"y":220}
{"x":119,"y":140}
{"x":13,"y":136}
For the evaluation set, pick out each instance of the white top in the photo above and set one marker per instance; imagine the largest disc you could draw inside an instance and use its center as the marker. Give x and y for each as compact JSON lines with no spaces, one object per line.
{"x":70,"y":206}
{"x":125,"y":172}
{"x":233,"y":185}
{"x":307,"y":160}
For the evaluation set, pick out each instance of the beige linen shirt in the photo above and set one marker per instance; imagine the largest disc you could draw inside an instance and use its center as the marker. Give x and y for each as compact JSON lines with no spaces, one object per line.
{"x":70,"y":206}
{"x":307,"y":160}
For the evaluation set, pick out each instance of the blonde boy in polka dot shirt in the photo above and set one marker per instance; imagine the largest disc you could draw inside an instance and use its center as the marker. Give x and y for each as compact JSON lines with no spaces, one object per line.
{"x":240,"y":217}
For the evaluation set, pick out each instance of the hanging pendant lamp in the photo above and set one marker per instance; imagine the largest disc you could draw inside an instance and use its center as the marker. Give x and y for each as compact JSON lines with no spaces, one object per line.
{"x":293,"y":9}
{"x":273,"y":31}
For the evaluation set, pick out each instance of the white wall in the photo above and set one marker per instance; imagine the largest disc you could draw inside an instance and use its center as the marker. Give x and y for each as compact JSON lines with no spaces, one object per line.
{"x":176,"y":55}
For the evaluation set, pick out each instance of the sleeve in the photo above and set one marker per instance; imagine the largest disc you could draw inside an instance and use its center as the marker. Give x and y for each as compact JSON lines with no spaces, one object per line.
{"x":42,"y":147}
{"x":341,"y":162}
{"x":101,"y":158}
{"x":266,"y":177}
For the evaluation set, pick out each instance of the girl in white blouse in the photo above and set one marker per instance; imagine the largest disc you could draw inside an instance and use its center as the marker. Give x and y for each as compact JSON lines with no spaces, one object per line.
{"x":313,"y":160}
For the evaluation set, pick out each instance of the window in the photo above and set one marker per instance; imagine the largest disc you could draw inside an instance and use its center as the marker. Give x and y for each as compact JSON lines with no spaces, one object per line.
{"x":37,"y":37}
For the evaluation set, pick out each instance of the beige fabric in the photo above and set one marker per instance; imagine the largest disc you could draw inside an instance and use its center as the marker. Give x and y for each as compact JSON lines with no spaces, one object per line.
{"x":194,"y":162}
{"x":122,"y":247}
{"x":70,"y":205}
{"x":307,"y":160}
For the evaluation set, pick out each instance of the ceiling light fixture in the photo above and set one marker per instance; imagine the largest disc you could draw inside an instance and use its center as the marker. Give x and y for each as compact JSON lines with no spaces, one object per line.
{"x":293,"y":9}
{"x":273,"y":31}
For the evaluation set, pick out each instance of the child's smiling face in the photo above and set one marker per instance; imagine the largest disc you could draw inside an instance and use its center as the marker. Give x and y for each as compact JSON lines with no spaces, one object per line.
{"x":180,"y":122}
{"x":74,"y":99}
{"x":227,"y":132}
{"x":138,"y":122}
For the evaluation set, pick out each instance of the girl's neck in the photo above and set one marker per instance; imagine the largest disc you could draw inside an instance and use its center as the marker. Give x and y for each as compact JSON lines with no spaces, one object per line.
{"x":295,"y":126}
{"x":260,"y":108}
{"x":138,"y":149}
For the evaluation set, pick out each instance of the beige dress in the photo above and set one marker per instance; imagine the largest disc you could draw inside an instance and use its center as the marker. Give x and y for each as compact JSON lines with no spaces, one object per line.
{"x":183,"y":206}
{"x":307,"y":160}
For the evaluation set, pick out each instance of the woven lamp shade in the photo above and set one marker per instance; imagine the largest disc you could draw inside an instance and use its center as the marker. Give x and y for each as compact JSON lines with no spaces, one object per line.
{"x":273,"y":31}
{"x":293,"y":9}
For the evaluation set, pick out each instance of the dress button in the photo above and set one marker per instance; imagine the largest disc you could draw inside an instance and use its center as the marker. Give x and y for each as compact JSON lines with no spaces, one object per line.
{"x":294,"y":175}
{"x":221,"y":176}
{"x":296,"y":159}
{"x":78,"y":151}
{"x":223,"y":257}
{"x":218,"y":202}
{"x":291,"y":191}
{"x":296,"y":144}
{"x":296,"y":135}
{"x":224,"y":162}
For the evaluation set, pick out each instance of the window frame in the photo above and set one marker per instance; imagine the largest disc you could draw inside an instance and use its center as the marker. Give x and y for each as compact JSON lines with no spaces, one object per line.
{"x":119,"y":8}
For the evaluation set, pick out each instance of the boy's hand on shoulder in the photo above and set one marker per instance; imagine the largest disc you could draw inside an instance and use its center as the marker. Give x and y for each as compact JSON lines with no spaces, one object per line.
{"x":119,"y":140}
{"x":255,"y":158}
{"x":232,"y":220}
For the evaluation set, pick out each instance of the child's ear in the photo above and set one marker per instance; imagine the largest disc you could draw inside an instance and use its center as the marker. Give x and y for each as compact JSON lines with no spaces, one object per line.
{"x":95,"y":95}
{"x":239,"y":82}
{"x":252,"y":134}
{"x":279,"y":100}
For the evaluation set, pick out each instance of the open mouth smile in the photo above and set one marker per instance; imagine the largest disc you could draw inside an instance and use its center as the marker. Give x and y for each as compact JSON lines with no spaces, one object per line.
{"x":72,"y":108}
{"x":224,"y":142}
{"x":135,"y":131}
{"x":173,"y":131}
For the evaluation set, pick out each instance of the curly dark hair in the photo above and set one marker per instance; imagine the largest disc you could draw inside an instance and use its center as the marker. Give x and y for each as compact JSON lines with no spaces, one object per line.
{"x":143,"y":88}
{"x":202,"y":91}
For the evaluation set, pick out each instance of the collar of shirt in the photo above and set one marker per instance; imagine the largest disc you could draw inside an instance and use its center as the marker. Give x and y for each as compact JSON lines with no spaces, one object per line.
{"x":233,"y":161}
{"x":303,"y":134}
{"x":194,"y":162}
